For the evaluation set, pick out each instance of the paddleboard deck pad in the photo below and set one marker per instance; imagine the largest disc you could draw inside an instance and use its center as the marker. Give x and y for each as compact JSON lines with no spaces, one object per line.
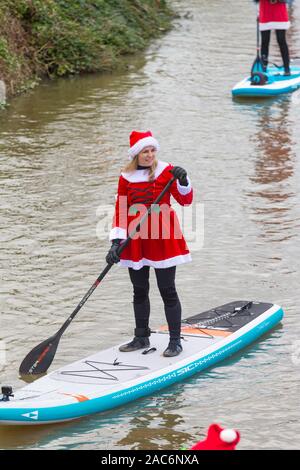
{"x":110,"y":378}
{"x":277,"y":84}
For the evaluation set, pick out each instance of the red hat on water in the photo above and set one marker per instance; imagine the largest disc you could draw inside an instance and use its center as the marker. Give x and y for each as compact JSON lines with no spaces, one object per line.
{"x":139,"y":140}
{"x":218,"y":439}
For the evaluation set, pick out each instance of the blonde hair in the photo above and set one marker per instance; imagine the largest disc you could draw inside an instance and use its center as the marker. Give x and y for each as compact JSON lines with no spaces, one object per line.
{"x":133,"y":164}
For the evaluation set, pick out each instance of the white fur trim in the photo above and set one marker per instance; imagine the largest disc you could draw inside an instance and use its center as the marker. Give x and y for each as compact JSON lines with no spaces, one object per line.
{"x":118,"y":232}
{"x":139,"y":176}
{"x":274,"y":25}
{"x":184,"y":190}
{"x":228,"y":435}
{"x":166,"y":263}
{"x":141,"y":144}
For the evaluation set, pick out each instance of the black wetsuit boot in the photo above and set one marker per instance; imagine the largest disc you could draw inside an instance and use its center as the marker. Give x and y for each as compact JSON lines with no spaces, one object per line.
{"x":140,"y":340}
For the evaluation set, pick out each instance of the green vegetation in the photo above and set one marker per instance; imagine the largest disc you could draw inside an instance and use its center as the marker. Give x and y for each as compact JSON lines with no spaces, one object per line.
{"x":59,"y":37}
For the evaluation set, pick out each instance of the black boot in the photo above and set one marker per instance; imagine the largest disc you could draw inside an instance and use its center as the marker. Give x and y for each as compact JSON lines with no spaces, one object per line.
{"x":140,"y":340}
{"x":174,"y":348}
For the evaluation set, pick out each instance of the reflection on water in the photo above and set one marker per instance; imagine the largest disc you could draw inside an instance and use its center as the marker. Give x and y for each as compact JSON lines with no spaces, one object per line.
{"x":275,"y":160}
{"x":13,"y":437}
{"x":157,"y":425}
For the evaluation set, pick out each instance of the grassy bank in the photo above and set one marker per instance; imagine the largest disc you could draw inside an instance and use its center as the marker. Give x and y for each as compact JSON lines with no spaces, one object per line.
{"x":53,"y":38}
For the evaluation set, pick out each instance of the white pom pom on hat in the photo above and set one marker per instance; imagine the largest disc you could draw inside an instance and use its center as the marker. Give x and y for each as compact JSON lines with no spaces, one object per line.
{"x":228,"y":435}
{"x":140,"y":140}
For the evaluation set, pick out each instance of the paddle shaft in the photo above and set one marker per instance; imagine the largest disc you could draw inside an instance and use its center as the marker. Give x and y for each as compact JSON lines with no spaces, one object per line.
{"x":257,"y":67}
{"x":257,"y":34}
{"x":109,"y":266}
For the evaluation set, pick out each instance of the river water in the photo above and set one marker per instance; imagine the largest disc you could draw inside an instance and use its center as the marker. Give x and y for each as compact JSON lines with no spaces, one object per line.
{"x":61,"y":148}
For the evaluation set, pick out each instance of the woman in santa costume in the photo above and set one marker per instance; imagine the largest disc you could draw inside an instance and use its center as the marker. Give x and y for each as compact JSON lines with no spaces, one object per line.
{"x":159,"y":243}
{"x":273,"y":14}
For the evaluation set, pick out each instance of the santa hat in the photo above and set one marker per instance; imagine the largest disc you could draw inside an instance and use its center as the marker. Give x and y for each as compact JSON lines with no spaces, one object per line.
{"x":139,"y":140}
{"x":218,"y":439}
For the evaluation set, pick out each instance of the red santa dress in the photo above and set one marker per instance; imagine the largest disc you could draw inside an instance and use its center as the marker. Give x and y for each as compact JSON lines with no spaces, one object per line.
{"x":160,"y":242}
{"x":273,"y":15}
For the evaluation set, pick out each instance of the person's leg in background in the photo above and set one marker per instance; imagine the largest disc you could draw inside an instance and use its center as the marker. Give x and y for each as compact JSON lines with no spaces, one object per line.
{"x":281,"y":39}
{"x":264,"y":50}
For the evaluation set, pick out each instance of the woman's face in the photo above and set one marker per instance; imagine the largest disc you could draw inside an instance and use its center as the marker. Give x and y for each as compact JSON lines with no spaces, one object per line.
{"x":147,"y":156}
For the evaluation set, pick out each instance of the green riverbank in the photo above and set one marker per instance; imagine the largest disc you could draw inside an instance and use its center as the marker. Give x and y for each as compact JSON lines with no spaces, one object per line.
{"x":53,"y":38}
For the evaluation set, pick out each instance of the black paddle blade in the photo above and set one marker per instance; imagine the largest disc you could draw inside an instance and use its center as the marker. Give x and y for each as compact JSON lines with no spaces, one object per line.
{"x":258,"y":66}
{"x":40,"y":358}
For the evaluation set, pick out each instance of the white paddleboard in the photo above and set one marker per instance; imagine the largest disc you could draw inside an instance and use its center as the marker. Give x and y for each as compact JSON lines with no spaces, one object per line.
{"x":110,"y":378}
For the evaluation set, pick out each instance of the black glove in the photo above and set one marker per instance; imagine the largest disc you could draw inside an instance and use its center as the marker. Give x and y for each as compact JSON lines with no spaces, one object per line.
{"x":112,"y":256}
{"x":181,"y":175}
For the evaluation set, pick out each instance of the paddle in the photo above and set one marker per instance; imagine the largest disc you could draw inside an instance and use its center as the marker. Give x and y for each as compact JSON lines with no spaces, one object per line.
{"x":39,"y":359}
{"x":257,"y":67}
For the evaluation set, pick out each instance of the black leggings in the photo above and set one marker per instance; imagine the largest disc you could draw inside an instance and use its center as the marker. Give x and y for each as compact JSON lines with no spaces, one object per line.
{"x":265,"y":42}
{"x":166,"y":285}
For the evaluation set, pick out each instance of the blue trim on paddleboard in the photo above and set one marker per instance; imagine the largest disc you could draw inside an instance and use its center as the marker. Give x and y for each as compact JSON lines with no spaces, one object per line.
{"x":263,"y":91}
{"x":96,"y":405}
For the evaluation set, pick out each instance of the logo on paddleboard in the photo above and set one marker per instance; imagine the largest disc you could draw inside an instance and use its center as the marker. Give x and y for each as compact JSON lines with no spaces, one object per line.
{"x":31,"y":415}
